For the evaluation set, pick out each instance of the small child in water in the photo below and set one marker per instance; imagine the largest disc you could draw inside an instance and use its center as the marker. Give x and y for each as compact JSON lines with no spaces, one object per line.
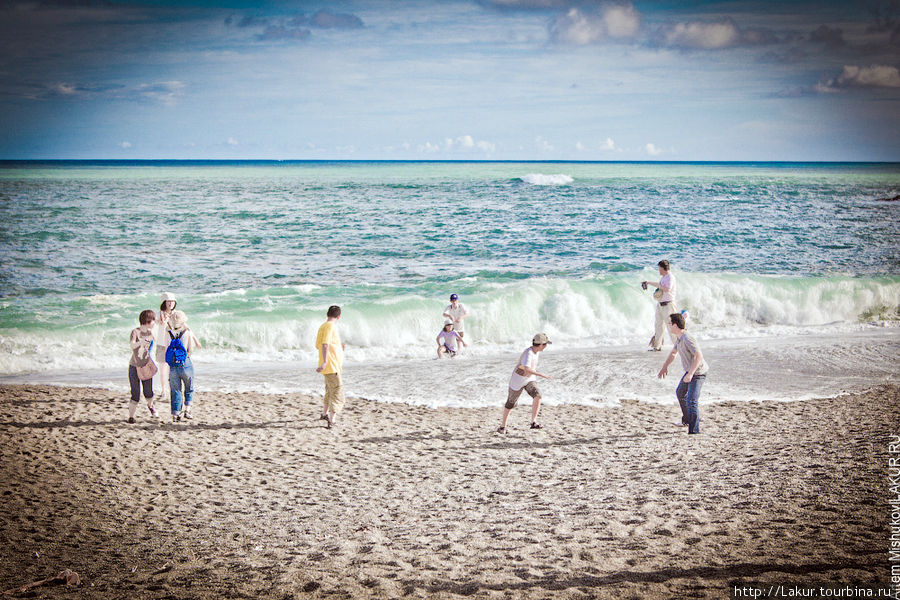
{"x":141,"y":367}
{"x":447,"y":340}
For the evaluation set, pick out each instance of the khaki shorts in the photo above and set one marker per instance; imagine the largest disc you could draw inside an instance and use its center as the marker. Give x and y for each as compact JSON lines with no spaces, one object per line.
{"x":334,"y":392}
{"x":513,"y":396}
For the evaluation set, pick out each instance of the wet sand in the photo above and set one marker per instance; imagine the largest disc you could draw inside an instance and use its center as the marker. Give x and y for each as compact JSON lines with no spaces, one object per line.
{"x":255,"y":498}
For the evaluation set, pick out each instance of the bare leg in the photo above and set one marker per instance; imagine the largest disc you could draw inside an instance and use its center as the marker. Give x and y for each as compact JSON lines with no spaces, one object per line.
{"x":163,"y":379}
{"x":535,"y":408}
{"x":132,"y":407}
{"x":505,"y":418}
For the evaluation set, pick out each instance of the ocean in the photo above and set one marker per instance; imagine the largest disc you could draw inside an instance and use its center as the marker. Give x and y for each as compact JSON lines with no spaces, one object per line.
{"x":789,"y":273}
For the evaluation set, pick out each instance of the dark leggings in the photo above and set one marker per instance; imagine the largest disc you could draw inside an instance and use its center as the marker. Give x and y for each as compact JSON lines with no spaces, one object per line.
{"x":137,"y":383}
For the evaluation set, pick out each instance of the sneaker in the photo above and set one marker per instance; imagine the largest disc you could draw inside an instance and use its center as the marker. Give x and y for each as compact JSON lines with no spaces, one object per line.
{"x":536,"y":425}
{"x":131,"y":419}
{"x":152,"y":412}
{"x":176,"y":418}
{"x":501,"y":429}
{"x":187,"y":414}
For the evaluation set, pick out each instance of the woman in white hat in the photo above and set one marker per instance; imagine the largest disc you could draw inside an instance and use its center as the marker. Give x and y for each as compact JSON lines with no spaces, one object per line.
{"x":162,"y":326}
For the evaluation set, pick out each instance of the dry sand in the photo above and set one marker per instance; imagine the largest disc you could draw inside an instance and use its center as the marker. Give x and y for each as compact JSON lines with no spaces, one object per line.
{"x":256,"y":499}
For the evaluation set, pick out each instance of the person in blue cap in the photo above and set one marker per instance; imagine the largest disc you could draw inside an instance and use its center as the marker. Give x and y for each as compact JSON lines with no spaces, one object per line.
{"x":456,"y":312}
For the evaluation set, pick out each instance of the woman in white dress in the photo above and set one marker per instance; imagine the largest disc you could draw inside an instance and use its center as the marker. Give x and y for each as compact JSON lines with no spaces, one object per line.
{"x":162,"y":327}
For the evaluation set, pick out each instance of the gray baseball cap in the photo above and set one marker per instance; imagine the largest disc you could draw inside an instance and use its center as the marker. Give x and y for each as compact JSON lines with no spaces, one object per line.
{"x":541,"y":338}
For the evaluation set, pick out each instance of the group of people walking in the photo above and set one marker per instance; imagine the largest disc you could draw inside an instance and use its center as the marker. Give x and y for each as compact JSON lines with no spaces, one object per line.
{"x":174,"y":342}
{"x":166,"y":336}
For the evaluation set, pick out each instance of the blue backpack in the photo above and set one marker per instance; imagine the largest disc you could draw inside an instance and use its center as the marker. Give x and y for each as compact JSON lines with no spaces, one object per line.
{"x":176,"y":353}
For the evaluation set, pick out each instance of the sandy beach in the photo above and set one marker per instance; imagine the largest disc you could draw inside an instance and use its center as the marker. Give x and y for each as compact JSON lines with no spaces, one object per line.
{"x":256,"y":498}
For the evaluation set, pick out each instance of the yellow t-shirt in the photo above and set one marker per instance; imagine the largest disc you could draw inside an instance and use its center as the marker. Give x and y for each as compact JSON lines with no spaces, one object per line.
{"x":328,"y":334}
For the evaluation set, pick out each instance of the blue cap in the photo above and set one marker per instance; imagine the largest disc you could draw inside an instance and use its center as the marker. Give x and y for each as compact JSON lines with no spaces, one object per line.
{"x":454,"y":297}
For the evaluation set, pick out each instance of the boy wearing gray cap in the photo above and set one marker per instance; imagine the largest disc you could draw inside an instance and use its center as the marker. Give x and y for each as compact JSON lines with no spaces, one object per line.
{"x":522,"y":378}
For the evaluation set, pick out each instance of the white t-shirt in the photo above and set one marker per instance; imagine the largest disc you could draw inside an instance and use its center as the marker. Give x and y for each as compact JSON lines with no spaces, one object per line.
{"x":668,"y":281}
{"x":529,"y":359}
{"x":455,"y":314}
{"x":449,"y":338}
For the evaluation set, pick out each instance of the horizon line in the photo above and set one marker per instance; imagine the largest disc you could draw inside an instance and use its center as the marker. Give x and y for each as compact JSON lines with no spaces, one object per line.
{"x":6,"y":161}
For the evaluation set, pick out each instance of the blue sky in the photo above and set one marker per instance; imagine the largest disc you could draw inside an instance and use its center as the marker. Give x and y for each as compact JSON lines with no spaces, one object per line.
{"x":458,"y":79}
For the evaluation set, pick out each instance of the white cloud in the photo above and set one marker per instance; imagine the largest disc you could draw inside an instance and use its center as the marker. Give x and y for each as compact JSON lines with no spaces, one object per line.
{"x":852,"y":76}
{"x":542,"y":144}
{"x":612,"y":22}
{"x":64,"y":89}
{"x":712,"y":35}
{"x":704,"y":36}
{"x":608,"y":145}
{"x":486,"y":147}
{"x":125,"y":145}
{"x":463,"y":143}
{"x":622,"y":21}
{"x":429,"y":148}
{"x":579,"y":146}
{"x":164,"y":92}
{"x":528,"y":4}
{"x":232,"y":142}
{"x":652,"y":150}
{"x":466,"y":141}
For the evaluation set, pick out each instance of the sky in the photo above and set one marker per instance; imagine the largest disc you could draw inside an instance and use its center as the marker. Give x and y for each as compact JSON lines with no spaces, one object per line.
{"x":792,"y":80}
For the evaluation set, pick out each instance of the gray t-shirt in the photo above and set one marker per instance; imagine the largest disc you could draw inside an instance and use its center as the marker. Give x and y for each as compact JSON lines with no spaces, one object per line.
{"x":687,"y":349}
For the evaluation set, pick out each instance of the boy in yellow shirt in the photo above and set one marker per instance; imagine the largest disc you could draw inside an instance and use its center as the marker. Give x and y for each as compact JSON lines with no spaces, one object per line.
{"x":331,"y":363}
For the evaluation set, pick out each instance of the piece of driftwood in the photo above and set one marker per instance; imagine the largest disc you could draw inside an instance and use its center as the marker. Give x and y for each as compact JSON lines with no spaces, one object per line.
{"x":68,"y":577}
{"x":894,"y":199}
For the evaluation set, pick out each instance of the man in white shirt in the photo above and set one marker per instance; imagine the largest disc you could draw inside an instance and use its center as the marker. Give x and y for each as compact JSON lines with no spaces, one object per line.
{"x":665,"y":297}
{"x":522,"y":378}
{"x":456,"y":312}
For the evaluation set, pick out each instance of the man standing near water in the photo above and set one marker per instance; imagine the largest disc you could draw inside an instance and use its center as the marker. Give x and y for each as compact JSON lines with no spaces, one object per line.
{"x":665,"y":306}
{"x":331,"y":363}
{"x":688,"y":391}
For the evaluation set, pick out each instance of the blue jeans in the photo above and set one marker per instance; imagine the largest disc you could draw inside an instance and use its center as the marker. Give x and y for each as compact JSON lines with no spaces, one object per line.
{"x":688,"y":395}
{"x":179,"y":374}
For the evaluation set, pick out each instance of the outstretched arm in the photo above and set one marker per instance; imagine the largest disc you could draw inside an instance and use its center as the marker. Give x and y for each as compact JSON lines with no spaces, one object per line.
{"x":526,"y":371}
{"x":665,"y":368}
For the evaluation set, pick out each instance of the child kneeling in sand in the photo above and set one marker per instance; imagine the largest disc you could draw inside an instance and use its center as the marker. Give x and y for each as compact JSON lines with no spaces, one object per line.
{"x":447,"y":340}
{"x":141,"y":367}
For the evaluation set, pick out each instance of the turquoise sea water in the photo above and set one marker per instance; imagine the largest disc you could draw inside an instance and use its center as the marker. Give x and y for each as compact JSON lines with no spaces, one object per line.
{"x":257,"y":251}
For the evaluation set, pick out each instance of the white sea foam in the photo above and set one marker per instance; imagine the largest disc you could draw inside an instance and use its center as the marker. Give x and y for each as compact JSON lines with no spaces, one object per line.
{"x":543,"y":179}
{"x":608,"y":311}
{"x":769,"y":369}
{"x":599,"y":324}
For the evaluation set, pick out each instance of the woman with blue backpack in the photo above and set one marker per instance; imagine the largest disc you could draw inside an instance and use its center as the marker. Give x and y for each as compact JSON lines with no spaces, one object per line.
{"x":180,"y":344}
